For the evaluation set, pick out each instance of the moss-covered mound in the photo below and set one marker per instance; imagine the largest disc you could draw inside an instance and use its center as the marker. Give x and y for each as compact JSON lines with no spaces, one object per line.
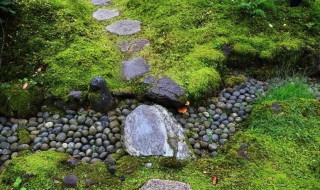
{"x":60,"y":46}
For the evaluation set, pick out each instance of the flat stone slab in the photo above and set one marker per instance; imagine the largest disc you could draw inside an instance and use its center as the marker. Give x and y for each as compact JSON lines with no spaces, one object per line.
{"x":134,"y":45}
{"x":158,"y":184}
{"x":100,"y":2}
{"x":134,"y":68}
{"x":151,"y":131}
{"x":104,"y":14}
{"x":125,"y":27}
{"x":165,"y":91}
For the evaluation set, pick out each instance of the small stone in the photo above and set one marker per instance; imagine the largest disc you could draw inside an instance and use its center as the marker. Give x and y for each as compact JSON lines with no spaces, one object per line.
{"x":112,"y":170}
{"x":12,"y":139}
{"x":70,"y":181}
{"x":61,"y":137}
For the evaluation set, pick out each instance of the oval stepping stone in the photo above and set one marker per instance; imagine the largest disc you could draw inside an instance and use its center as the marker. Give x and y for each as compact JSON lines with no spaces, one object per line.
{"x":158,"y":184}
{"x":134,"y":68}
{"x":134,"y":45}
{"x":125,"y":27}
{"x":103,"y":14}
{"x":100,"y":2}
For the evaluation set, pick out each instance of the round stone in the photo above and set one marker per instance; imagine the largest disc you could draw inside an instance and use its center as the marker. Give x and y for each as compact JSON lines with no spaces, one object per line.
{"x":61,"y":137}
{"x":12,"y":139}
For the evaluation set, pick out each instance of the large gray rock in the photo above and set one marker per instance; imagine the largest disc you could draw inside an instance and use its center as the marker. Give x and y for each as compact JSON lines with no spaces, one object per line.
{"x":99,"y":95}
{"x":157,"y":184}
{"x":134,"y":45}
{"x":165,"y":91}
{"x":134,"y":68}
{"x":150,"y":130}
{"x":100,"y":2}
{"x":125,"y":27}
{"x":103,"y":14}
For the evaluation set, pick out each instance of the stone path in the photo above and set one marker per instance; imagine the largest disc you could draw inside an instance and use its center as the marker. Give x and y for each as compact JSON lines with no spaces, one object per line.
{"x":134,"y":68}
{"x":157,"y":184}
{"x":125,"y":27}
{"x":104,"y":14}
{"x":100,"y":2}
{"x":137,"y":66}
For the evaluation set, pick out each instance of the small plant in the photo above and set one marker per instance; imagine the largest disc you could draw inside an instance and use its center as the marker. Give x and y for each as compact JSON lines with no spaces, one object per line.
{"x":18,"y":184}
{"x":26,"y":80}
{"x":252,"y":8}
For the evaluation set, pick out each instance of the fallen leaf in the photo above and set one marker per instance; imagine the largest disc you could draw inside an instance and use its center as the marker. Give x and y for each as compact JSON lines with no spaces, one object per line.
{"x":25,"y":85}
{"x":182,"y":110}
{"x":214,"y":180}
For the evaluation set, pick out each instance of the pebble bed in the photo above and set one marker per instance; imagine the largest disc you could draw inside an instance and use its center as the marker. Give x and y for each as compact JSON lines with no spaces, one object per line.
{"x":92,"y":136}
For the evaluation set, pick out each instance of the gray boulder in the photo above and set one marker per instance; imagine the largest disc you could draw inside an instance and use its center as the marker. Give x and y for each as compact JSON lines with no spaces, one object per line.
{"x":157,"y":184}
{"x":103,"y":14}
{"x":99,"y":95}
{"x":150,"y":130}
{"x":134,"y":68}
{"x":165,"y":91}
{"x":125,"y":27}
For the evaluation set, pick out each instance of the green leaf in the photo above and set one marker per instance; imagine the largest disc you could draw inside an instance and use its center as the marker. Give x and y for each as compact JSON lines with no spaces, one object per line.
{"x":17,"y":182}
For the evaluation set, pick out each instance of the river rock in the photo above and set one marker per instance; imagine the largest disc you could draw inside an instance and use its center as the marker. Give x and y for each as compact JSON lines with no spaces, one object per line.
{"x":150,"y":130}
{"x":165,"y":92}
{"x":134,"y":68}
{"x":103,"y":14}
{"x":125,"y":27}
{"x":157,"y":184}
{"x":99,"y":95}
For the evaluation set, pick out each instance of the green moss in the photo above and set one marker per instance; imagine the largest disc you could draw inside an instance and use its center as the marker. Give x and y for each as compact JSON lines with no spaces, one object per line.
{"x":37,"y":170}
{"x":230,"y":81}
{"x":172,"y":163}
{"x":198,"y":82}
{"x":24,"y":136}
{"x":20,"y":102}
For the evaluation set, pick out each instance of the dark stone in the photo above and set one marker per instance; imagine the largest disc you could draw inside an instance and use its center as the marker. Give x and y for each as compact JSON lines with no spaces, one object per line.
{"x":112,"y":170}
{"x":134,"y":68}
{"x":99,"y":95}
{"x":72,"y":162}
{"x":70,"y":180}
{"x":165,"y":92}
{"x":75,"y":100}
{"x":295,"y":3}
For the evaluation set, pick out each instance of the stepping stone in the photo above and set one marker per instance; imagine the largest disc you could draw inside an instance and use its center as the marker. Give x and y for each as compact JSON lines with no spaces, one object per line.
{"x":134,"y":68}
{"x":125,"y":27}
{"x":134,"y":45}
{"x":100,"y":2}
{"x":103,"y":14}
{"x":157,"y":184}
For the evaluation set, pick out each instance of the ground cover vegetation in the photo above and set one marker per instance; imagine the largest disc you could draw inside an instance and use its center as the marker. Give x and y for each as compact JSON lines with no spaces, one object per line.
{"x":194,"y":43}
{"x":276,"y":148}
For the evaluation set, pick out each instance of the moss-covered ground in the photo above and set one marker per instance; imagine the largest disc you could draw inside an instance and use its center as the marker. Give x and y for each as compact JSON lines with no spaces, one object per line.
{"x":61,"y":47}
{"x":276,"y":148}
